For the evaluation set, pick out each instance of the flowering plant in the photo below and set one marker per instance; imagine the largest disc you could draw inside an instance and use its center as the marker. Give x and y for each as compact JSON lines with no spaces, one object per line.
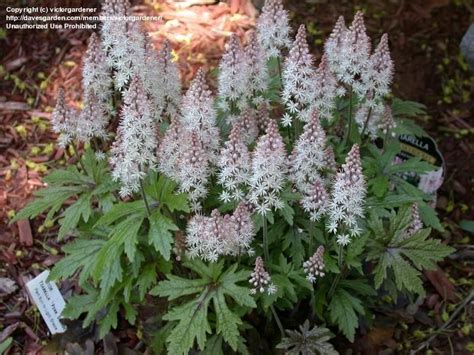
{"x":279,"y":198}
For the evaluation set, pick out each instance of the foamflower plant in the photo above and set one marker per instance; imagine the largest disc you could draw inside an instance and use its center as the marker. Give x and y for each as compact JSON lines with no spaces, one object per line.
{"x":271,"y":201}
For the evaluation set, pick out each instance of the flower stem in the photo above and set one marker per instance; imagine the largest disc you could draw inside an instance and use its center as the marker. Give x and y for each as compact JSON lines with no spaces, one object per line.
{"x":265,"y":240}
{"x":277,"y":320}
{"x":366,"y":123}
{"x":340,"y":260}
{"x":385,"y":142}
{"x":78,"y":157}
{"x":279,"y":72}
{"x":340,"y":256}
{"x":349,"y":128}
{"x":148,"y":211}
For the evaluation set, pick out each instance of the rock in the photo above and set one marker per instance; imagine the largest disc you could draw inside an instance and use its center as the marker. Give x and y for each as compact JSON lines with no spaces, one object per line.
{"x":467,"y":46}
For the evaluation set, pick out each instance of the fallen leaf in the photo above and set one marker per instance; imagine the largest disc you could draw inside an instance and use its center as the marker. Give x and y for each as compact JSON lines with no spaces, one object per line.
{"x":24,"y":228}
{"x":14,"y":106}
{"x":442,"y":284}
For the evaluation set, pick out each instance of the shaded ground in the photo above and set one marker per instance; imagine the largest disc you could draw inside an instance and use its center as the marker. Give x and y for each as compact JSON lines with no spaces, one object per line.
{"x":424,"y":37}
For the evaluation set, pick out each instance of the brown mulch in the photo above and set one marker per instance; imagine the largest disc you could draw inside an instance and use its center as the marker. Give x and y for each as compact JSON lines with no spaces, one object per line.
{"x":422,"y":34}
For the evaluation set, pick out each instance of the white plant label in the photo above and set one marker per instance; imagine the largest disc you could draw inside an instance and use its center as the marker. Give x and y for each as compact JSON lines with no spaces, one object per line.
{"x":49,"y":301}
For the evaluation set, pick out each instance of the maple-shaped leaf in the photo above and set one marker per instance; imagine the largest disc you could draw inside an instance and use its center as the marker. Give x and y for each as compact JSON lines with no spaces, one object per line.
{"x":404,"y":255}
{"x":307,"y":341}
{"x":191,"y":316}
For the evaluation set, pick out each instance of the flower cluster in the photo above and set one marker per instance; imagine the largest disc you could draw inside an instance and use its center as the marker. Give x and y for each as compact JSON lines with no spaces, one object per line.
{"x":244,"y":228}
{"x":260,"y":279}
{"x":169,"y":150}
{"x":64,"y":120}
{"x":297,"y":77}
{"x":378,"y":74}
{"x":325,"y":90}
{"x":257,"y":69}
{"x":194,"y":169}
{"x":191,"y":144}
{"x":308,"y":155}
{"x":315,"y":201}
{"x":347,"y":198}
{"x":198,"y":115}
{"x":170,"y":83}
{"x":211,"y":237}
{"x":314,"y":266}
{"x":96,"y":75}
{"x":233,"y":74}
{"x":248,"y":125}
{"x":234,"y":166}
{"x":97,"y":97}
{"x":416,"y":223}
{"x":134,"y":148}
{"x":374,"y":119}
{"x":269,"y":166}
{"x":273,"y":28}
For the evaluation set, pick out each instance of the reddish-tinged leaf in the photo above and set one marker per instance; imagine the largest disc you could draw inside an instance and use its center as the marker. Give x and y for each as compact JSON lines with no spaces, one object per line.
{"x":442,"y":284}
{"x":24,"y":228}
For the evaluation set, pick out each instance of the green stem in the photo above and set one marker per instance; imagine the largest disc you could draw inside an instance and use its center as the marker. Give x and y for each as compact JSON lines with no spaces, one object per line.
{"x":148,"y":210}
{"x":340,"y":256}
{"x":366,"y":123}
{"x":350,"y":116}
{"x":385,"y":142}
{"x":279,"y":72}
{"x":311,"y":237}
{"x":277,"y":320}
{"x":265,"y":240}
{"x":78,"y":157}
{"x":338,"y":276}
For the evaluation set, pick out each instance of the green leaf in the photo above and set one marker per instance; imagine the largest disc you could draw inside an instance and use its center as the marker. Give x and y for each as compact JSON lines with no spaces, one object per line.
{"x":405,"y":108}
{"x":71,"y":176}
{"x":360,"y":286}
{"x":406,"y":256}
{"x":51,"y":198}
{"x":79,"y":304}
{"x":343,"y":310}
{"x":130,"y":313}
{"x":109,"y":321}
{"x":192,"y":324}
{"x":177,"y":202}
{"x":80,"y":254}
{"x":72,"y":215}
{"x":213,"y":346}
{"x":111,"y":276}
{"x":146,"y":279}
{"x":390,"y":201}
{"x":123,"y":237}
{"x":191,"y":316}
{"x":412,"y":165}
{"x":307,"y":341}
{"x":121,"y":210}
{"x":467,"y":225}
{"x":227,"y":321}
{"x":164,"y":192}
{"x":176,"y":287}
{"x":380,"y":185}
{"x":4,"y":345}
{"x":429,"y":217}
{"x":160,"y":234}
{"x":288,"y":213}
{"x":127,"y":233}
